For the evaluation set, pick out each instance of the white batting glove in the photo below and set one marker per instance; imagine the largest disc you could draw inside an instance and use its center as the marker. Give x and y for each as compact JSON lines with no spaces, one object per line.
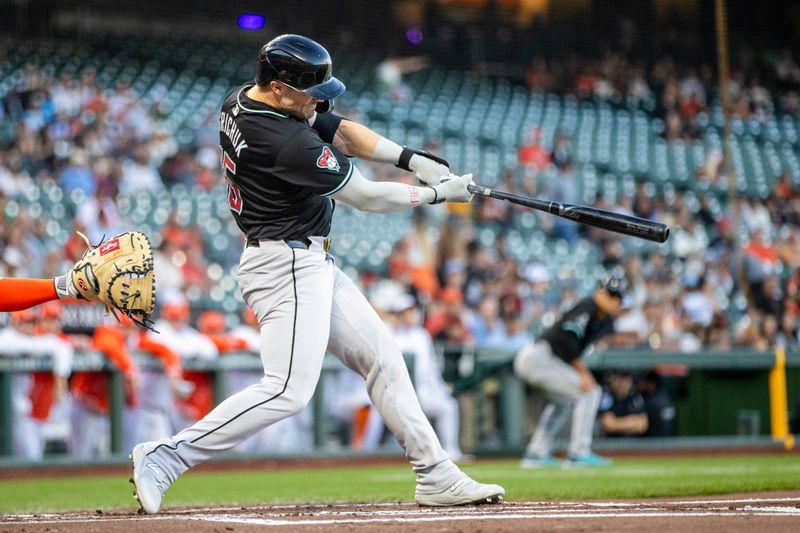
{"x":453,"y":189}
{"x":427,"y":170}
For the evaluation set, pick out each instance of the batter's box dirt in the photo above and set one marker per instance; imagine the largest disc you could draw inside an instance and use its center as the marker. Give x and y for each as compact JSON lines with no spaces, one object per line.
{"x":757,"y":512}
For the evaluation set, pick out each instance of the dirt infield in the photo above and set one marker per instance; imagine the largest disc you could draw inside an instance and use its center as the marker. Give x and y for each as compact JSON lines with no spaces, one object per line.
{"x":770,"y":511}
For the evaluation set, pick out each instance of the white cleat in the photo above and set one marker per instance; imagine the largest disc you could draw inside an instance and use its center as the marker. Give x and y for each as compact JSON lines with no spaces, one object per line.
{"x":465,"y":491}
{"x":149,"y":480}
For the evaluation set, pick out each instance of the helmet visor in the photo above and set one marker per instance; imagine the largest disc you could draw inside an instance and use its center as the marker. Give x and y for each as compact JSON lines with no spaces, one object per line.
{"x":332,"y":88}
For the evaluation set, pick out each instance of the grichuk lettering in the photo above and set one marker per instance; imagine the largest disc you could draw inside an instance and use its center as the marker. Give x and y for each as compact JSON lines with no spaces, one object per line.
{"x":228,"y":126}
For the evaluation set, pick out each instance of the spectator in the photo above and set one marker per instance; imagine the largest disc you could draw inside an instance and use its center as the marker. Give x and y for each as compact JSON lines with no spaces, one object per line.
{"x":138,"y":174}
{"x":486,"y":323}
{"x":77,"y":175}
{"x":447,"y":321}
{"x":532,"y":155}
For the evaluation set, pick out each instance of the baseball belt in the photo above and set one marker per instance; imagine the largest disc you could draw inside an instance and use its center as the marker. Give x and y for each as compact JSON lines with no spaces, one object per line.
{"x":304,"y":243}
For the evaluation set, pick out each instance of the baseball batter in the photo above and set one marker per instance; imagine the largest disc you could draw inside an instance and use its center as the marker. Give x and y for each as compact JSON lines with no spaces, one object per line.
{"x":283,"y":155}
{"x":554,"y":364}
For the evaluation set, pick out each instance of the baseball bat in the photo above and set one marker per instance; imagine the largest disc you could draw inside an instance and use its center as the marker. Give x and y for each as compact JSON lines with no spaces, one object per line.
{"x":591,"y":216}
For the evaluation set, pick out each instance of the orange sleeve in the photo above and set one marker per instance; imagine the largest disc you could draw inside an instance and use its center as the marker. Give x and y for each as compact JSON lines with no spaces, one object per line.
{"x":172,"y":363}
{"x":227,"y":343}
{"x":22,"y":293}
{"x":111,"y":342}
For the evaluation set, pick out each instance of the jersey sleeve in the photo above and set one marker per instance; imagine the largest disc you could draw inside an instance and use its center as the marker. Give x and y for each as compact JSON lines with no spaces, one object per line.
{"x":606,"y":403}
{"x":326,"y":124}
{"x":305,"y":160}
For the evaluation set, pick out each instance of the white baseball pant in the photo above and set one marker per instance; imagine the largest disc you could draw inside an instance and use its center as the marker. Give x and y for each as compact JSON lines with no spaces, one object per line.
{"x":537,"y":365}
{"x":156,"y":405}
{"x":306,"y":305}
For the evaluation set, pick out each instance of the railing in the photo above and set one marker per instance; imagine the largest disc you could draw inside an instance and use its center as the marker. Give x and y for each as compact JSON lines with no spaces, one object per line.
{"x":480,"y":365}
{"x":748,"y":364}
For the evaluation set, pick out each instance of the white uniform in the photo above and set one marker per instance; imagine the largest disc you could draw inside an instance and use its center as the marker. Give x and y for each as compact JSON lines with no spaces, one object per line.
{"x":290,"y":435}
{"x":306,"y":305}
{"x":281,"y":178}
{"x":189,"y":344}
{"x":28,"y":437}
{"x":345,"y":395}
{"x":434,"y":394}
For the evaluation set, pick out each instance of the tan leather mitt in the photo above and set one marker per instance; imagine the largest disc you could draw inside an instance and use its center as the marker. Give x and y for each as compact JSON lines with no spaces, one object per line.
{"x":119,"y":274}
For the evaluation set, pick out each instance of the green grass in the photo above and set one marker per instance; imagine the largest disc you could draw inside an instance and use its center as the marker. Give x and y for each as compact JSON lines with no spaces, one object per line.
{"x":628,"y":478}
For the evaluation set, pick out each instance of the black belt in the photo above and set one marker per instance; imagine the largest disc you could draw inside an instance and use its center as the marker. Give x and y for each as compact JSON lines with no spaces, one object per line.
{"x":304,"y":243}
{"x":291,"y":243}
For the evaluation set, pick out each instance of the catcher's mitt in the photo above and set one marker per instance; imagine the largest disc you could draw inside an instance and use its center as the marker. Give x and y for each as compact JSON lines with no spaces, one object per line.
{"x":119,"y":273}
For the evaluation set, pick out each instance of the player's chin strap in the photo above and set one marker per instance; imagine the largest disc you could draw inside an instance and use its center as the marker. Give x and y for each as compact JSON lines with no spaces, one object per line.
{"x":143,"y":322}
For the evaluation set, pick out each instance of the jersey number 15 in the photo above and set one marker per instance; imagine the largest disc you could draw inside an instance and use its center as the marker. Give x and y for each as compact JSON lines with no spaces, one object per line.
{"x":229,"y":171}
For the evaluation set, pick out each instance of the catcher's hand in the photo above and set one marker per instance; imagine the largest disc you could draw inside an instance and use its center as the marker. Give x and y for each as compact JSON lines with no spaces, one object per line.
{"x":119,"y":273}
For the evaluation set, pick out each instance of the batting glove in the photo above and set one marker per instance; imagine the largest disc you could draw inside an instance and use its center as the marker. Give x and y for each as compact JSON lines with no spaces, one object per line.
{"x":453,"y":189}
{"x":428,"y":168}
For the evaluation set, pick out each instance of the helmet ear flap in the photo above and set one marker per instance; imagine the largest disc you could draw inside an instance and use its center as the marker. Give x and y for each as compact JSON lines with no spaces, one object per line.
{"x":325,"y":106}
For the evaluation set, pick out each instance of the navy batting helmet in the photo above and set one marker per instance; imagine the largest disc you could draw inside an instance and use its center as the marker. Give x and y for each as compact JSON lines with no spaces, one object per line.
{"x":614,"y":286}
{"x":303,"y":65}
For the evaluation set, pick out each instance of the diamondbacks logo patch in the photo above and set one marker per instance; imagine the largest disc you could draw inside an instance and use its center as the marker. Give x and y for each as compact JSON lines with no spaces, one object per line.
{"x":327,"y":160}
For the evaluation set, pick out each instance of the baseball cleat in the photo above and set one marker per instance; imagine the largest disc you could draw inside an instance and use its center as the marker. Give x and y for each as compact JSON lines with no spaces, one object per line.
{"x":149,"y":480}
{"x":534,"y":461}
{"x":590,"y":459}
{"x":465,"y":491}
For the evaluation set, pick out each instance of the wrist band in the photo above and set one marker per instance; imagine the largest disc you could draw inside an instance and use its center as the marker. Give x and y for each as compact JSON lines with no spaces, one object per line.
{"x":405,"y":157}
{"x":436,"y":199}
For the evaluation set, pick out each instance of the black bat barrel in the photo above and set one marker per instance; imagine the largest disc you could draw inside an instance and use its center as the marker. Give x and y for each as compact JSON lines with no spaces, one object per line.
{"x":599,"y":218}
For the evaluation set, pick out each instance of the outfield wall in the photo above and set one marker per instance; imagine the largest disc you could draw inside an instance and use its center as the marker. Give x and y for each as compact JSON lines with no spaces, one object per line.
{"x":721,"y":398}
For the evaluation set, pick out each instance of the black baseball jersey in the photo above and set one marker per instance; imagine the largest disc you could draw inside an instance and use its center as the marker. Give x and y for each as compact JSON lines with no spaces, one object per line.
{"x":660,"y":414}
{"x":280,"y":172}
{"x":632,"y":404}
{"x":577,"y":329}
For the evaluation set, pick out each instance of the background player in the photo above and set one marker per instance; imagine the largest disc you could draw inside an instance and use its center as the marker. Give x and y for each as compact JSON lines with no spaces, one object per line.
{"x":622,"y":410}
{"x":34,"y":394}
{"x":434,"y":394}
{"x":90,"y":390}
{"x":554,"y":364}
{"x":284,"y":161}
{"x":187,"y":343}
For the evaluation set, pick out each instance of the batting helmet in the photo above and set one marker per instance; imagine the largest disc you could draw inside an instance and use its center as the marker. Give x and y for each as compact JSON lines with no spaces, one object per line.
{"x":614,"y":286}
{"x":303,"y":65}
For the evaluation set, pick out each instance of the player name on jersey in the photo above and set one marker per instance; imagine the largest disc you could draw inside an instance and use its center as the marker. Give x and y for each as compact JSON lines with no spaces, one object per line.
{"x":231,"y":130}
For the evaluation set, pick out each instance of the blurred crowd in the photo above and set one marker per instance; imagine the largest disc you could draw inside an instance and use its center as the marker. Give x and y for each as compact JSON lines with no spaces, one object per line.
{"x":680,"y":94}
{"x":731,"y":277}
